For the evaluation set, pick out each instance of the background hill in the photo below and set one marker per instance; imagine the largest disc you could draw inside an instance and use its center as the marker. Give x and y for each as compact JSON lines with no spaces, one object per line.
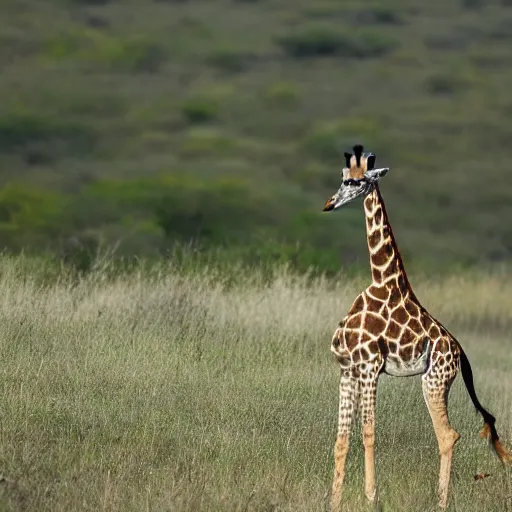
{"x":142,"y":124}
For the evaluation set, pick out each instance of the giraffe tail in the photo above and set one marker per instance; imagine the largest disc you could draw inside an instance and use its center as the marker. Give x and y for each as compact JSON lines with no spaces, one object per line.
{"x":488,"y":430}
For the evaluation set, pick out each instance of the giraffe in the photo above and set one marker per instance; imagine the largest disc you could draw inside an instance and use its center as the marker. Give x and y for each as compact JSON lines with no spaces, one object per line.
{"x":387,"y":330}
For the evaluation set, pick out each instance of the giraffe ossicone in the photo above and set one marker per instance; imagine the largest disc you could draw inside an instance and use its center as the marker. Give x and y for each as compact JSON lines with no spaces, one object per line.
{"x":387,"y":330}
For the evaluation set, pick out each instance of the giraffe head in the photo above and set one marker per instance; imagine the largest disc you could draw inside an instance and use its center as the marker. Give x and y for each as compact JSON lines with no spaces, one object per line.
{"x":358,"y":178}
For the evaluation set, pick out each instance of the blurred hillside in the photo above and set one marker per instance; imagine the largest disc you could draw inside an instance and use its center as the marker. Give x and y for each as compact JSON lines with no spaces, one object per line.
{"x":142,"y":124}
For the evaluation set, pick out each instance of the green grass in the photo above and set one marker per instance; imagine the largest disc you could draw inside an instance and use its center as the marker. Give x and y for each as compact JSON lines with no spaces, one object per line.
{"x":164,"y":390}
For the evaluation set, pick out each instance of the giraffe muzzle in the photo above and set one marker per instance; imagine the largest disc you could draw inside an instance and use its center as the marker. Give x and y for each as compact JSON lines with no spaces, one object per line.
{"x":329,"y":205}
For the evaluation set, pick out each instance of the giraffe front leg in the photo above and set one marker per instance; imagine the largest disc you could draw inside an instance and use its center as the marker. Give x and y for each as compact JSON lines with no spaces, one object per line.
{"x":368,"y":399}
{"x":435,"y":391}
{"x":348,"y":397}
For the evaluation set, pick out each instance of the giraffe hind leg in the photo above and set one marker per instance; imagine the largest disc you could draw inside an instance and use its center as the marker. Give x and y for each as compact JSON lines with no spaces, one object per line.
{"x":436,"y":387}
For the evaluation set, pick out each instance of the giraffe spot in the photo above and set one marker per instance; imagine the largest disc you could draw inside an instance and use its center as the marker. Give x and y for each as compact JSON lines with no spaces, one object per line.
{"x":354,"y":321}
{"x":394,"y":329}
{"x":442,"y":345}
{"x":377,"y":275}
{"x":406,"y":352}
{"x":373,"y":306}
{"x":394,"y":297}
{"x":379,"y":292}
{"x":388,"y":272}
{"x":373,"y":347}
{"x":408,"y":336}
{"x":427,"y":322}
{"x":434,"y":332}
{"x":415,"y":325}
{"x":375,"y":323}
{"x":378,"y":216}
{"x":412,"y":309}
{"x":400,"y":315}
{"x":364,"y":353}
{"x":393,"y":347}
{"x":374,"y":239}
{"x":380,"y":258}
{"x":358,"y":305}
{"x":351,"y":340}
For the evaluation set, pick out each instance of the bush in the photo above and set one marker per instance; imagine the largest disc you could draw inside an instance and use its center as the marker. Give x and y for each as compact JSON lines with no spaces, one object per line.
{"x":380,"y":14}
{"x":200,"y":110}
{"x":322,"y":41}
{"x":312,"y":42}
{"x":29,"y":217}
{"x":445,"y":83}
{"x":37,"y":132}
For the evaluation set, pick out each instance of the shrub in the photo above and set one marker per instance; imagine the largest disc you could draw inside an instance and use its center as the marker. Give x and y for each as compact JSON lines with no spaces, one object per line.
{"x":380,"y":14}
{"x":321,"y":41}
{"x":445,"y":83}
{"x":312,"y":42}
{"x":200,"y":109}
{"x":21,"y":130}
{"x":29,"y":217}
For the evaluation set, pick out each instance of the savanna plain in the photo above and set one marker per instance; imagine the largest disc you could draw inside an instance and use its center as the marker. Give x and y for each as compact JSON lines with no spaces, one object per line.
{"x":162,"y":389}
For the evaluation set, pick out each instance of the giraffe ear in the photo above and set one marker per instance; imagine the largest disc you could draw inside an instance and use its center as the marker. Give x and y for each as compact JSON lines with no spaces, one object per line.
{"x":370,"y":161}
{"x":376,"y":174}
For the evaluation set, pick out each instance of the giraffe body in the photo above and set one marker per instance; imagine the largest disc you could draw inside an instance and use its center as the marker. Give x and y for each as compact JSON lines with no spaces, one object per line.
{"x":387,"y":330}
{"x":386,"y":323}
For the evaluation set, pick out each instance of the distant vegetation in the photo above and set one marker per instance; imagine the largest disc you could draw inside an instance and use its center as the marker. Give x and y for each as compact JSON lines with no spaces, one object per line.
{"x":143,"y":125}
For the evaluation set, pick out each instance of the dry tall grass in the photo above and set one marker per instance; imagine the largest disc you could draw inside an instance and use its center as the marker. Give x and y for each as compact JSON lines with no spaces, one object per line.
{"x":161,"y":391}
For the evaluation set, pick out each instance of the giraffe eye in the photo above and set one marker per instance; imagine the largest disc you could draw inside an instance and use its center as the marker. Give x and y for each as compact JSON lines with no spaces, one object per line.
{"x":353,"y":182}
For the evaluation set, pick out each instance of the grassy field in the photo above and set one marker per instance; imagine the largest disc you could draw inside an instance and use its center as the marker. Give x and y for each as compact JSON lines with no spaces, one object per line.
{"x":159,"y":390}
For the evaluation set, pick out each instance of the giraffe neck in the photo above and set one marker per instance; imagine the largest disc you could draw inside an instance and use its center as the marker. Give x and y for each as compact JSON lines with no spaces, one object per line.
{"x":385,"y":261}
